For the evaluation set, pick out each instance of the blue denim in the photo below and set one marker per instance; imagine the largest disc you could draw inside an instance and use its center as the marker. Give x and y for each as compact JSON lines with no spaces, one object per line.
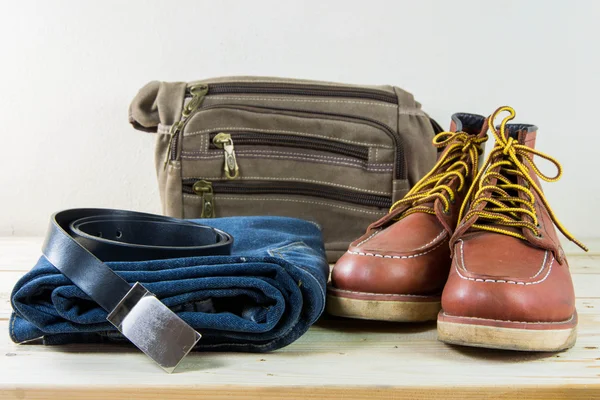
{"x":263,"y":296}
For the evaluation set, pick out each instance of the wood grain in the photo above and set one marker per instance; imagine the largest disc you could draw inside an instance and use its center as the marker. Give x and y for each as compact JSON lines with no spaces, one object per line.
{"x":337,"y":358}
{"x":565,"y":392}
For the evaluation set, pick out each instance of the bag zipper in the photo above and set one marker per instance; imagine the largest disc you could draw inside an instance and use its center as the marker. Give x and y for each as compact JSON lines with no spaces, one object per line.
{"x":206,"y":190}
{"x":301,"y":90}
{"x":301,"y":142}
{"x":197,"y":92}
{"x":224,"y":141}
{"x":292,"y":89}
{"x":399,"y":165}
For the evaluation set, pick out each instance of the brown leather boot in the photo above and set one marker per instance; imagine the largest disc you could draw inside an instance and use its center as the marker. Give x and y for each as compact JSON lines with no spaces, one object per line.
{"x":509,"y":285}
{"x":397,"y":269}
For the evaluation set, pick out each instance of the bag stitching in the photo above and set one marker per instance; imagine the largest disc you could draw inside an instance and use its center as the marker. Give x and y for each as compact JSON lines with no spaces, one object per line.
{"x":243,"y":155}
{"x":349,"y":159}
{"x":417,"y":113}
{"x":269,"y":152}
{"x":296,"y":82}
{"x":293,"y":179}
{"x":233,"y":128}
{"x":301,"y":100}
{"x":192,"y":196}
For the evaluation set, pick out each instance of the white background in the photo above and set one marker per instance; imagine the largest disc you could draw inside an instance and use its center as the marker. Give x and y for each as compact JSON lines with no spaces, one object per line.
{"x":69,"y":69}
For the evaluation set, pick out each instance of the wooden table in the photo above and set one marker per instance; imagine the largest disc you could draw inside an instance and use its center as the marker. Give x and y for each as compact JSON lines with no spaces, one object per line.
{"x":336,"y":359}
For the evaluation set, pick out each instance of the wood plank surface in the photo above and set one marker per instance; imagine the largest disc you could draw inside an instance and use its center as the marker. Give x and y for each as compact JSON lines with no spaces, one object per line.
{"x":337,"y":358}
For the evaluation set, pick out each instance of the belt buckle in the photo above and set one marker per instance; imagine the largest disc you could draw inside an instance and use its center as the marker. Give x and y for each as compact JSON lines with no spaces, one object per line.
{"x":153,"y":328}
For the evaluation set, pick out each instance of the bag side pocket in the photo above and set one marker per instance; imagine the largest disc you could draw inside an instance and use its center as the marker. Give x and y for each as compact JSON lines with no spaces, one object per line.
{"x":155,"y":108}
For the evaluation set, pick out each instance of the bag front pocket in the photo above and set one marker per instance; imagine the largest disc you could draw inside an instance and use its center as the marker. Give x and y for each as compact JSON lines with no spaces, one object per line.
{"x":253,"y":143}
{"x":334,"y":169}
{"x":207,"y":191}
{"x":341,"y":213}
{"x":335,"y":154}
{"x":277,"y":146}
{"x":291,"y":141}
{"x":302,"y":118}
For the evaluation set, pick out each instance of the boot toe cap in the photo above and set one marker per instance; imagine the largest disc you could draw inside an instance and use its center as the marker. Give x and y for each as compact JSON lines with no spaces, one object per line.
{"x":370,"y":272}
{"x":547,"y":297}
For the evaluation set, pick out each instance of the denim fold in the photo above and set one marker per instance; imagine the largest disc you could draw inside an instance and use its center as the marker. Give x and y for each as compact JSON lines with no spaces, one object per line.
{"x":261,"y":297}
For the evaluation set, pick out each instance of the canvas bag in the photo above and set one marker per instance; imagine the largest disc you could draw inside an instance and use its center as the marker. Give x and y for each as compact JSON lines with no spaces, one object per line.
{"x":332,"y":153}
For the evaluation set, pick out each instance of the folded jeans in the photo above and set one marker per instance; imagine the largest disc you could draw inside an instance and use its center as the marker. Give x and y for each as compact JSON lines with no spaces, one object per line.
{"x":261,"y":297}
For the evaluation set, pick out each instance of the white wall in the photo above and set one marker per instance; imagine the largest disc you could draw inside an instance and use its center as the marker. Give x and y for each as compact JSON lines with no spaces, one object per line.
{"x":69,"y":69}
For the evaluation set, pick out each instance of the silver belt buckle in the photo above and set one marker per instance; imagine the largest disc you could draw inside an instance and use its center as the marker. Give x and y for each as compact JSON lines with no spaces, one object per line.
{"x":153,"y":327}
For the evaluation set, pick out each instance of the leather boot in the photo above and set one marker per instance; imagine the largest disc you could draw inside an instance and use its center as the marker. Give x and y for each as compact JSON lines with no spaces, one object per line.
{"x":509,"y":285}
{"x":397,"y":269}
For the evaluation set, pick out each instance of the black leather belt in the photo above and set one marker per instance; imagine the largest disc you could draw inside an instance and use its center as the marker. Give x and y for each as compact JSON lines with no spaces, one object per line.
{"x":79,"y":240}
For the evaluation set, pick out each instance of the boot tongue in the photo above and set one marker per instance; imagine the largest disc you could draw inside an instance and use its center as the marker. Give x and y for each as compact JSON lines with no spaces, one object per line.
{"x":524,"y":134}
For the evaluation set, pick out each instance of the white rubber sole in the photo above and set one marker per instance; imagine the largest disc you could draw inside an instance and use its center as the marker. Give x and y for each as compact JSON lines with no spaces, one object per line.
{"x":506,"y":338}
{"x":383,"y":310}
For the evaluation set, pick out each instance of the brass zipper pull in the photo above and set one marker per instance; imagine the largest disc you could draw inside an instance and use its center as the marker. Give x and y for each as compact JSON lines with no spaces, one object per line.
{"x":205,"y":189}
{"x":224,"y":141}
{"x":198,"y":92}
{"x":172,"y":132}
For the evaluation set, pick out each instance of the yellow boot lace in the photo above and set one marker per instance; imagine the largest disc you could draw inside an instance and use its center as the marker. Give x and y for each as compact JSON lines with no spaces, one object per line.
{"x":461,"y":157}
{"x":506,"y":159}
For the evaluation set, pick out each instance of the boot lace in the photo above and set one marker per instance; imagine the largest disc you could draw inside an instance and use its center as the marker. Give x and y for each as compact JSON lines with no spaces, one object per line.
{"x":460,"y":158}
{"x":503,"y":206}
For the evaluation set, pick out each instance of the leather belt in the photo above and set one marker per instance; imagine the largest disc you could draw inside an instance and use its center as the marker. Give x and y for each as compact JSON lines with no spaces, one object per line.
{"x":80,"y":240}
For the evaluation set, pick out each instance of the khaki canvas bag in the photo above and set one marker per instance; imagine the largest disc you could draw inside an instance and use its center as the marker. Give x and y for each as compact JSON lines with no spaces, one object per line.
{"x":335,"y":154}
